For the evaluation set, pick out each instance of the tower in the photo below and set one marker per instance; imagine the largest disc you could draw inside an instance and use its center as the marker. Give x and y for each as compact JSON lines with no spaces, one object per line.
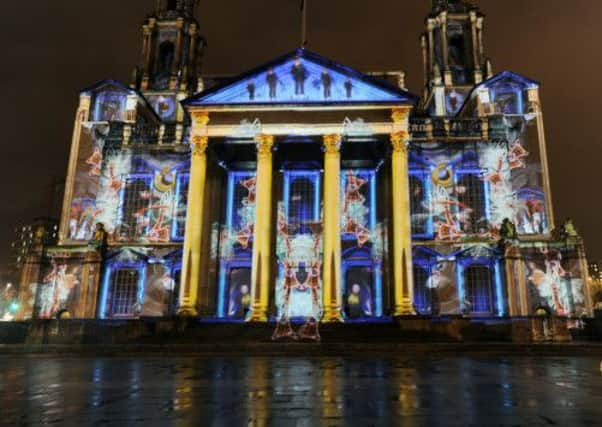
{"x":171,"y":53}
{"x":453,"y":54}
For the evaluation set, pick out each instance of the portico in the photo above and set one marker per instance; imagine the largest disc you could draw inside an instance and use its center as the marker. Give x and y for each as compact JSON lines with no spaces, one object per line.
{"x":290,"y":158}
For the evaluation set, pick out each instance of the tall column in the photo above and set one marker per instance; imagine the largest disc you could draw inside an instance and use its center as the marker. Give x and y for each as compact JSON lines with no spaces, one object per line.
{"x":83,"y":111}
{"x":191,"y":263}
{"x":178,"y":51}
{"x":147,"y":31}
{"x":478,"y":74}
{"x":447,"y":77}
{"x":425,"y":59}
{"x":262,"y":239}
{"x":431,"y":44}
{"x":480,"y":38}
{"x":402,"y":230}
{"x":192,"y":33}
{"x":332,"y":229}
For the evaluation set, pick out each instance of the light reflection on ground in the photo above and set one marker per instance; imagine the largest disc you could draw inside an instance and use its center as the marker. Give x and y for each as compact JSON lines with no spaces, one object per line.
{"x":261,"y":391}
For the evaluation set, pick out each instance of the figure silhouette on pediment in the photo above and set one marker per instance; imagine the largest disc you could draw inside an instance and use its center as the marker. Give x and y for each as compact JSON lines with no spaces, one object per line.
{"x":299,"y":73}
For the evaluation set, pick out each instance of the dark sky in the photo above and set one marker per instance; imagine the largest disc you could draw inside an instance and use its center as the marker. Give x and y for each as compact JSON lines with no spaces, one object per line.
{"x":52,"y":49}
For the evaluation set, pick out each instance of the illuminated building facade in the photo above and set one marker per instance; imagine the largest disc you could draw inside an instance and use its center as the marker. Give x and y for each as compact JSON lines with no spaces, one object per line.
{"x":306,"y":189}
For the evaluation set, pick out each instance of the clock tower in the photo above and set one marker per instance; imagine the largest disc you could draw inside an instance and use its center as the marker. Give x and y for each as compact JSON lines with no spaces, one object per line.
{"x":453,"y":54}
{"x":172,"y":48}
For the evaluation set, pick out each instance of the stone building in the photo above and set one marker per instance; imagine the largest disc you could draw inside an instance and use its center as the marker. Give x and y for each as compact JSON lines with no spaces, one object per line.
{"x":305,"y":189}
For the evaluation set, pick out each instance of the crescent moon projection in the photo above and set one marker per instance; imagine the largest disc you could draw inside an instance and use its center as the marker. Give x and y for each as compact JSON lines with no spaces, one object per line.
{"x":442,"y":175}
{"x":165,"y":180}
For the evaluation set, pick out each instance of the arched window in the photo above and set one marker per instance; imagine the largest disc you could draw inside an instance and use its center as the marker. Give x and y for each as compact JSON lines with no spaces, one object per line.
{"x":471,"y":195}
{"x":479,"y":289}
{"x":422,"y":294}
{"x":302,"y":205}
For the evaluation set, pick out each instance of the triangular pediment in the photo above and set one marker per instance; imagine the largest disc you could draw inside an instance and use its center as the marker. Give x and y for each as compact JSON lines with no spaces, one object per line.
{"x":109,"y":86}
{"x":302,"y":78}
{"x":509,"y":78}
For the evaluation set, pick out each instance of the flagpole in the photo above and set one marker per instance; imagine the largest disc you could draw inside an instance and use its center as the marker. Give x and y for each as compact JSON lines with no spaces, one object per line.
{"x":304,"y":23}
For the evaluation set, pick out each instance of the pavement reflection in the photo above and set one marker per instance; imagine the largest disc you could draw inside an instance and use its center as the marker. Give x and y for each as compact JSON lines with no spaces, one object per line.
{"x":262,"y":391}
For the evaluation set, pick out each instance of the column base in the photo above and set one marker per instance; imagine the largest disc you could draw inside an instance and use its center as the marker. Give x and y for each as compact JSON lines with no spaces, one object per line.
{"x":257,"y":314}
{"x":404,"y":309}
{"x":332,"y":315}
{"x":187,"y":311}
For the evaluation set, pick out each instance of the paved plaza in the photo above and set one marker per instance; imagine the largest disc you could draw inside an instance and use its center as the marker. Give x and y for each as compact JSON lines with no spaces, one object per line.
{"x":258,"y":391}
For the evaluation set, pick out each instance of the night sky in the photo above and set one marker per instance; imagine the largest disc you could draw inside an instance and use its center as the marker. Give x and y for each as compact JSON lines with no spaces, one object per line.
{"x":52,"y":49}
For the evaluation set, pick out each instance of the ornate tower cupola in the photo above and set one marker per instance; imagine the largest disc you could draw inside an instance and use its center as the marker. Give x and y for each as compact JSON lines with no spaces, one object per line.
{"x":171,"y":50}
{"x":453,"y":54}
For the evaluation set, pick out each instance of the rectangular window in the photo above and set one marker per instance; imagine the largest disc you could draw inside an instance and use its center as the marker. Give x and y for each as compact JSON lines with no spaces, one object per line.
{"x":471,"y":208}
{"x":181,"y":206}
{"x":480,"y":293}
{"x":123,"y":292}
{"x":136,"y":198}
{"x":420,"y":203}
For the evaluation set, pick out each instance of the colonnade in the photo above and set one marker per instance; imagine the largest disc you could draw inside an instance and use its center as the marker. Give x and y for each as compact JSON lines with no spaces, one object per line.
{"x":263,"y":252}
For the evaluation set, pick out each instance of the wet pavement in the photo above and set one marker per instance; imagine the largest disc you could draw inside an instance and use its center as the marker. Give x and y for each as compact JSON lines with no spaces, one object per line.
{"x":258,"y":391}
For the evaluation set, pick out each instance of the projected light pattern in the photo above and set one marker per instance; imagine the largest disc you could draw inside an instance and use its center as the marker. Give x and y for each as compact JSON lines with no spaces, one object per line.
{"x":554,"y":279}
{"x":458,"y":280}
{"x":299,"y":247}
{"x":302,"y":78}
{"x":464,"y":191}
{"x":361,"y":240}
{"x":140,"y":281}
{"x":236,"y":246}
{"x":59,"y":288}
{"x":138,"y":196}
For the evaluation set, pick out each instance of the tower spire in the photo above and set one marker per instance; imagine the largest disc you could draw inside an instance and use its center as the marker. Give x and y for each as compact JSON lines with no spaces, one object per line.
{"x":172,"y":47}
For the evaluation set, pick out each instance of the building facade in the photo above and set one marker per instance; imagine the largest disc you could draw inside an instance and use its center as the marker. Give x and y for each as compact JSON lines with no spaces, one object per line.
{"x":306,"y":189}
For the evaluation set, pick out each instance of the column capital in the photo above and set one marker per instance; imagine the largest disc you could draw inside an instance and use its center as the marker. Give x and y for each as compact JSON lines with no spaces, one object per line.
{"x":332,"y":143}
{"x":399,"y":141}
{"x":400,"y":114}
{"x":192,"y":30}
{"x":200,"y":118}
{"x":533,"y":100}
{"x":430,"y":24}
{"x":442,"y":18}
{"x":264,"y":144}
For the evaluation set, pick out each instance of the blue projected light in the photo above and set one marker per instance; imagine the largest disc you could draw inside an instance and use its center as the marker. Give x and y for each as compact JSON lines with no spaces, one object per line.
{"x":232,"y":221}
{"x":182,"y":180}
{"x":104,"y":292}
{"x":302,"y":77}
{"x":358,"y":257}
{"x":110,"y":269}
{"x":499,"y":289}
